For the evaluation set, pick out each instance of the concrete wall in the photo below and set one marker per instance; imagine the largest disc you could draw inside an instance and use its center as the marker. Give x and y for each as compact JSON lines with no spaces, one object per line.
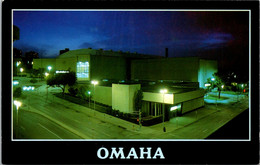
{"x":192,"y":104}
{"x":103,"y":95}
{"x":183,"y":69}
{"x":206,"y":69}
{"x":123,"y":97}
{"x":158,"y":97}
{"x":103,"y":67}
{"x":44,"y":63}
{"x":66,"y":64}
{"x":182,"y":97}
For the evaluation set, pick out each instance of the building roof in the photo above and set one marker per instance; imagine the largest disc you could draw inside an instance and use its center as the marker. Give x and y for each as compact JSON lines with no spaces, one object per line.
{"x":101,"y":52}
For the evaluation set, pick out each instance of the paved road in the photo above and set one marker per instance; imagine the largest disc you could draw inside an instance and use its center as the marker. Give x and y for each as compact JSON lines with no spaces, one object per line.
{"x":34,"y":126}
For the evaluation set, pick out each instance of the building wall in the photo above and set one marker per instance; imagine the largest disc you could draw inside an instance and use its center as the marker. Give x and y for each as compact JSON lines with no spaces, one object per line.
{"x":206,"y":69}
{"x":44,"y":63}
{"x":103,"y":67}
{"x":182,"y":69}
{"x":182,"y":97}
{"x":192,"y":104}
{"x":158,"y":97}
{"x":123,"y":97}
{"x":66,"y":64}
{"x":103,"y":95}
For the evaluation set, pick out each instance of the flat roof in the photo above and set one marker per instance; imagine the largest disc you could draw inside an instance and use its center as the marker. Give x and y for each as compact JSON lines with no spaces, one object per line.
{"x":171,"y":90}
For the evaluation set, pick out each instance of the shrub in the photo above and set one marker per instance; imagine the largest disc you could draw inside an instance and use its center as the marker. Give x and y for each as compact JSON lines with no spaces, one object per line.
{"x":33,"y":80}
{"x":109,"y":110}
{"x":120,"y":114}
{"x":17,"y":92}
{"x":73,"y":91}
{"x":82,"y":92}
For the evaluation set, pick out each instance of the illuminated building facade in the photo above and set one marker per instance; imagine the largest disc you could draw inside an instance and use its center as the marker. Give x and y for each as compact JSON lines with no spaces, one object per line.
{"x":129,"y":72}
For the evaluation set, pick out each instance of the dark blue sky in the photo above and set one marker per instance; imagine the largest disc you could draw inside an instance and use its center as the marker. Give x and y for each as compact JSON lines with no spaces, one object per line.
{"x":149,"y":32}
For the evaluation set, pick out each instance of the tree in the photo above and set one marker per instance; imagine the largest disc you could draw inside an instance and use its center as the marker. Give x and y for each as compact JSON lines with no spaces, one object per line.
{"x":62,"y":79}
{"x":218,"y":81}
{"x":38,"y":72}
{"x":17,"y":92}
{"x":138,"y":104}
{"x":16,"y":33}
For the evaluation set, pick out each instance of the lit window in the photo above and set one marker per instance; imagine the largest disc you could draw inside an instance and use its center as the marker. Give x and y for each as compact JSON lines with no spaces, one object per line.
{"x":82,"y":70}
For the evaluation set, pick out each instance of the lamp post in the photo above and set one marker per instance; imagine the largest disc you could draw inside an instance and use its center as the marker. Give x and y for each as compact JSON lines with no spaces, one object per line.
{"x":17,"y":104}
{"x":17,"y":64}
{"x":94,"y":83}
{"x":163,"y":91}
{"x":89,"y":98}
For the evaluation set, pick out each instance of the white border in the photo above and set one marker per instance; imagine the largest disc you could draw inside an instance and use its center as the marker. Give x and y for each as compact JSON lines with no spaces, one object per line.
{"x":169,"y":140}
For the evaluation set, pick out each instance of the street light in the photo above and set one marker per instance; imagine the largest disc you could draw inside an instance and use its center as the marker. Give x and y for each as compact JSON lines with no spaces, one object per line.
{"x":17,"y":64}
{"x":17,"y":104}
{"x":94,"y":83}
{"x":89,"y":98}
{"x":49,"y":68}
{"x":163,"y":91}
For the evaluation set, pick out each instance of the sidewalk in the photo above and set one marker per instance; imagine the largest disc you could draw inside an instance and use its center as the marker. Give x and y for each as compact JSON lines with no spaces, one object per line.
{"x":201,"y":123}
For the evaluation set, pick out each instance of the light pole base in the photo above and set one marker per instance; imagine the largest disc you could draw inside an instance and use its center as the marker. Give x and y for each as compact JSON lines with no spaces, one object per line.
{"x":164,"y":129}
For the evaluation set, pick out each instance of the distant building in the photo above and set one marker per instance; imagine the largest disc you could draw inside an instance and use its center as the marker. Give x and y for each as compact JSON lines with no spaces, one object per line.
{"x":64,"y":51}
{"x":124,"y":73}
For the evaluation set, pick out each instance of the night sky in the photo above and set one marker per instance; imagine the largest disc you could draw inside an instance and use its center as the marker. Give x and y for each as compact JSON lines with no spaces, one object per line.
{"x":185,"y":33}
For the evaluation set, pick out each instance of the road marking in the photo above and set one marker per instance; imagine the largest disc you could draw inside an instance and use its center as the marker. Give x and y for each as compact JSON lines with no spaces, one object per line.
{"x":50,"y":131}
{"x":205,"y":130}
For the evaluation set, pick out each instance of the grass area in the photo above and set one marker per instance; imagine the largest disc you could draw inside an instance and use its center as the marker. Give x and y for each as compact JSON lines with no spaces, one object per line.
{"x":215,"y":97}
{"x":227,"y":92}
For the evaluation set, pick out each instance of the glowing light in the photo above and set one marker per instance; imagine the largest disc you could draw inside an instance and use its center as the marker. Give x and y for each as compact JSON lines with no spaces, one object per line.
{"x":17,"y":104}
{"x":46,"y":74}
{"x":234,"y":83}
{"x":89,"y":92}
{"x":222,"y":86}
{"x":15,"y":82}
{"x":207,"y":85}
{"x":62,"y":71}
{"x":212,"y":79}
{"x":163,"y":91}
{"x":174,"y":108}
{"x":49,"y":68}
{"x":94,"y":82}
{"x":18,"y":63}
{"x":21,"y":69}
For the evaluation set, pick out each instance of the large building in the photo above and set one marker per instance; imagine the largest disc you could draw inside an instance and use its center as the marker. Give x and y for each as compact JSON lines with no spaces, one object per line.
{"x":93,"y":64}
{"x":125,"y":73}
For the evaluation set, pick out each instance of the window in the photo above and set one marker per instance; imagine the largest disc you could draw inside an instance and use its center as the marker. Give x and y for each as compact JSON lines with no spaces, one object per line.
{"x":82,"y":70}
